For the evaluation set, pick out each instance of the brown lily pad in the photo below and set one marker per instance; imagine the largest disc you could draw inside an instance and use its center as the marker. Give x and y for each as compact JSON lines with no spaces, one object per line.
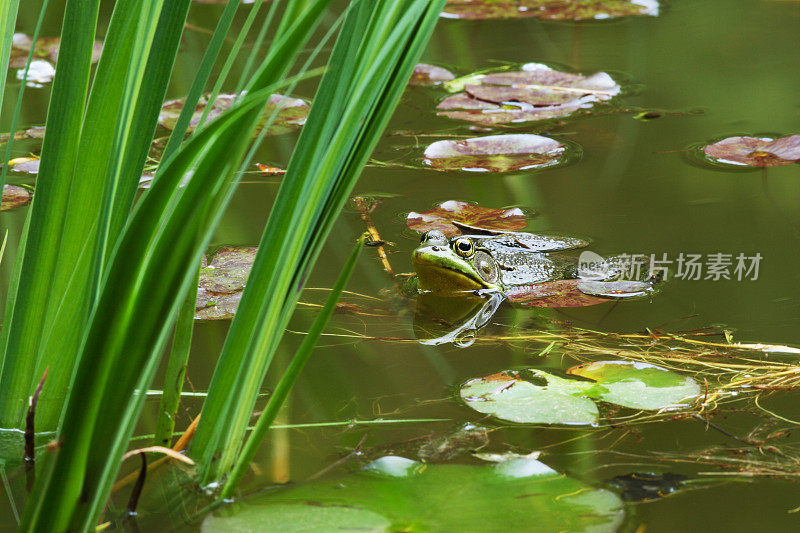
{"x":14,"y":196}
{"x":442,"y":217}
{"x":222,"y":282}
{"x":559,"y":293}
{"x":425,"y":74}
{"x":292,"y":112}
{"x":45,"y":48}
{"x":548,"y":9}
{"x":537,"y":92}
{"x":36,"y":132}
{"x":755,"y":151}
{"x":495,"y":153}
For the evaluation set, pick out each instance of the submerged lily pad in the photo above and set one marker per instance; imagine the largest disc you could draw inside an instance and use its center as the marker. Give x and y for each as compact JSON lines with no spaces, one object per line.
{"x":559,"y":293}
{"x":755,"y":151}
{"x":533,"y":396}
{"x":637,"y":385}
{"x":425,"y":74}
{"x":615,"y":289}
{"x":222,"y":282}
{"x":530,"y":396}
{"x":438,"y":497}
{"x":548,"y":9}
{"x":45,"y":48}
{"x":537,"y":92}
{"x":14,"y":196}
{"x":442,"y":216}
{"x":495,"y":153}
{"x":291,"y":115}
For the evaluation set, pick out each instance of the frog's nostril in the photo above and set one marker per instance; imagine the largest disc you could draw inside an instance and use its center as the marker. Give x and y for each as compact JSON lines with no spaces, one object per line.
{"x":435,"y":248}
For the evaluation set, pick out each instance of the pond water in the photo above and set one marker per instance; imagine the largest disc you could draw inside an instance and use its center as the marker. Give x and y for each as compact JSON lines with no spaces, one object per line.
{"x":709,"y":69}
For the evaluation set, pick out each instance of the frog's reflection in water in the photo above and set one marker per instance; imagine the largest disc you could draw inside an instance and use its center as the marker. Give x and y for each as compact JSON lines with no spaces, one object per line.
{"x":454,"y":318}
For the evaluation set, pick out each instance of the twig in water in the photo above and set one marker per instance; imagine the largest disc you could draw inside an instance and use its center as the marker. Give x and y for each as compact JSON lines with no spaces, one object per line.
{"x":30,"y":433}
{"x":137,"y":488}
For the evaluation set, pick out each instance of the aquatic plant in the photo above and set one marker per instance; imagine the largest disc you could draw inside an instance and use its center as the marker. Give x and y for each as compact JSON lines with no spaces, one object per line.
{"x":101,"y":278}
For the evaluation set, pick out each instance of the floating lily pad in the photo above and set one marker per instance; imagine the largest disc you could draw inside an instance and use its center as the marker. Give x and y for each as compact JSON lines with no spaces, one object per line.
{"x":222,"y":282}
{"x":523,"y":492}
{"x":39,"y":73}
{"x":615,"y":289}
{"x":537,"y":92}
{"x":533,"y":396}
{"x":28,"y":165}
{"x":548,"y":9}
{"x":495,"y":153}
{"x":425,"y":74}
{"x":637,"y":385}
{"x":559,"y":293}
{"x":31,"y":133}
{"x":14,"y":196}
{"x":291,"y":115}
{"x":45,"y":48}
{"x":756,"y":151}
{"x":442,"y":216}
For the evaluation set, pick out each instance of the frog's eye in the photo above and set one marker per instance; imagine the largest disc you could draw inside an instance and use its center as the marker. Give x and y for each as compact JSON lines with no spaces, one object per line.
{"x":464,"y":247}
{"x":424,"y":237}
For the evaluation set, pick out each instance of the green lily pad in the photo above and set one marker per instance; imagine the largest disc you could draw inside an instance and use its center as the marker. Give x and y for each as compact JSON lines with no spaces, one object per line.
{"x":548,"y":9}
{"x":536,"y":92}
{"x":755,"y":151}
{"x":442,"y":216}
{"x":638,"y":385}
{"x":291,"y":115}
{"x":559,"y":293}
{"x":425,"y":75}
{"x":14,"y":196}
{"x":45,"y":48}
{"x":495,"y":153}
{"x":523,"y":493}
{"x":531,"y":397}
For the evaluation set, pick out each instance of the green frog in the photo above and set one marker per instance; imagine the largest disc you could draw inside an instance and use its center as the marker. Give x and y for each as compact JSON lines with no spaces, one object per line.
{"x":491,"y":260}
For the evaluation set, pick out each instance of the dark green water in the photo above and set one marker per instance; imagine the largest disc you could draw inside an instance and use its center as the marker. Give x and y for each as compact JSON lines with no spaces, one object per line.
{"x":633,"y":190}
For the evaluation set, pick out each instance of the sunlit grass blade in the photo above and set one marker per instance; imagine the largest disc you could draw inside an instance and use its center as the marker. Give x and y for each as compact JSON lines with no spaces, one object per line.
{"x":99,"y":195}
{"x":200,"y":80}
{"x":148,"y":276}
{"x":290,"y":375}
{"x":25,"y":316}
{"x":378,"y":46}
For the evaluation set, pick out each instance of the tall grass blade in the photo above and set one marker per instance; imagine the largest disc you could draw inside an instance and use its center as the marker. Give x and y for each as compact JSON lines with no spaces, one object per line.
{"x":149,"y":274}
{"x":290,"y":375}
{"x":371,"y":63}
{"x":25,"y":317}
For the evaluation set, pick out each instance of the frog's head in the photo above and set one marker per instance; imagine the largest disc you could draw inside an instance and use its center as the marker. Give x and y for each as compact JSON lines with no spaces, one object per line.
{"x":453,"y":265}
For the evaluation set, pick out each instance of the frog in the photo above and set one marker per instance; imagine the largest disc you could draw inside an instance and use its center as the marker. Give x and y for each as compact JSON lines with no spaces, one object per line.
{"x":488,"y":260}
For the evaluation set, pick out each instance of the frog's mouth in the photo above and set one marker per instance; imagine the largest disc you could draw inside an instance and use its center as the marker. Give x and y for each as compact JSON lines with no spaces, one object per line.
{"x":436,"y":277}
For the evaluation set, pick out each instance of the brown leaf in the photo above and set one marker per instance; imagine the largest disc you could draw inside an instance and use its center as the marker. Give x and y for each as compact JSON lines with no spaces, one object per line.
{"x":441,"y":216}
